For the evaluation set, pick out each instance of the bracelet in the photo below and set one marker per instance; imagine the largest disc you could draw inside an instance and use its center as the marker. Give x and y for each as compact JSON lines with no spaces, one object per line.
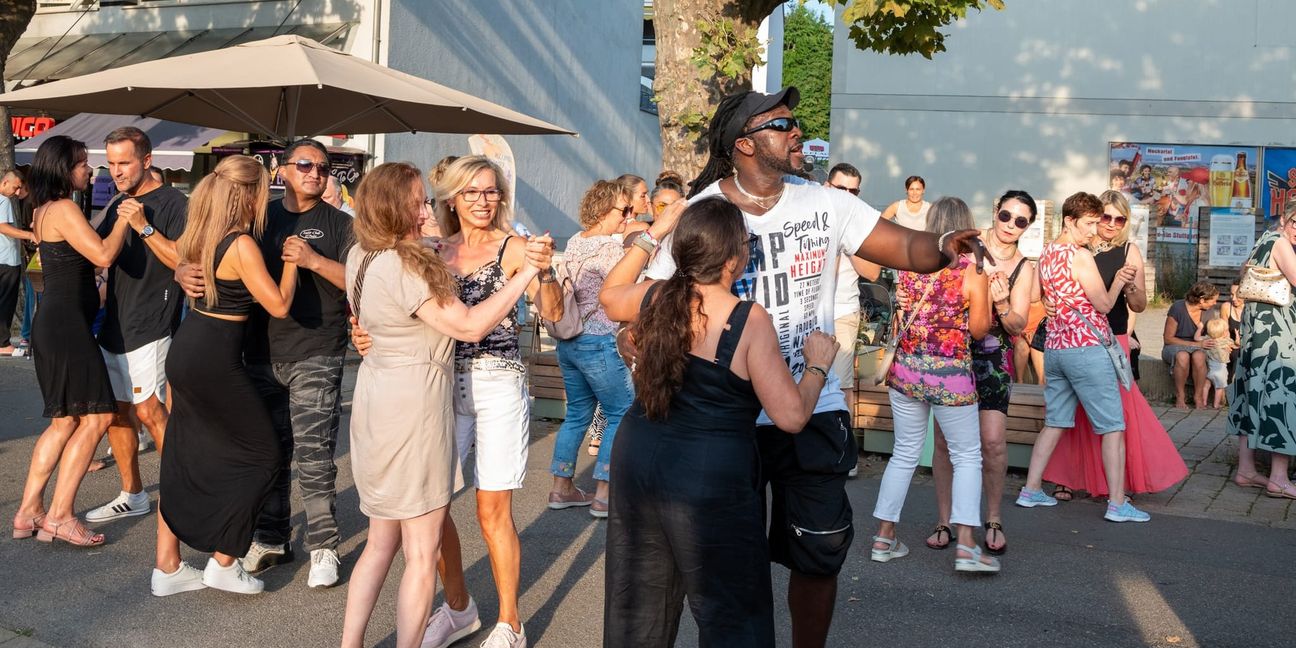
{"x":646,"y":243}
{"x":548,"y":277}
{"x":940,"y":242}
{"x":823,"y":373}
{"x":646,"y":233}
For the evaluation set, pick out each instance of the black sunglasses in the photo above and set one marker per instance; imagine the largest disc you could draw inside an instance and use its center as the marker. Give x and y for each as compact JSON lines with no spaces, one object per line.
{"x":1021,"y":221}
{"x":853,"y":190}
{"x":304,"y":167}
{"x":780,"y":124}
{"x":1108,"y":218}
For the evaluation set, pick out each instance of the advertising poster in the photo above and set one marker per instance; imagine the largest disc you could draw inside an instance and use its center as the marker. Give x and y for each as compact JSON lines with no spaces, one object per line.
{"x":1176,"y":180}
{"x":1031,"y":242}
{"x":1232,"y":234}
{"x":1279,"y":182}
{"x":344,"y":165}
{"x":1139,"y":227}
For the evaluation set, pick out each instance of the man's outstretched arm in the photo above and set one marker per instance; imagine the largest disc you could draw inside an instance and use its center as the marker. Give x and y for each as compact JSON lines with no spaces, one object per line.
{"x":895,"y":246}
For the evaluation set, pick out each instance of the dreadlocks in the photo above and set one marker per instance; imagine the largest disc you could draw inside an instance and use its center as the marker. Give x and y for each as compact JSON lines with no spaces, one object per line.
{"x":720,"y":161}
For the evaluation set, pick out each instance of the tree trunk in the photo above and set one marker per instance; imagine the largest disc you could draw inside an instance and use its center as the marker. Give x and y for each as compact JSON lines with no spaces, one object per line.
{"x":684,"y":92}
{"x":15,"y":15}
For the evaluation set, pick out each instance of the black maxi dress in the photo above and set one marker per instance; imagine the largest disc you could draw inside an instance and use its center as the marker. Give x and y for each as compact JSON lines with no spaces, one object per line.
{"x":221,"y":454}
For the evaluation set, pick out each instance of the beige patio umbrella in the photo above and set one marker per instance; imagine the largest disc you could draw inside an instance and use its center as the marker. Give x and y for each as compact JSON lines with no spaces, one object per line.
{"x":285,"y":86}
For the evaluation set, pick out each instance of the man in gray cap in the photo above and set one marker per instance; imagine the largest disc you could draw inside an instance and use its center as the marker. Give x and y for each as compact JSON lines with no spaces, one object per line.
{"x":798,"y":230}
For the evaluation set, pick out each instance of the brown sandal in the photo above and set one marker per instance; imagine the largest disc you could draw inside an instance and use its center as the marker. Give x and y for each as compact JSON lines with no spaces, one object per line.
{"x":78,"y":536}
{"x":995,"y":526}
{"x":938,"y":545}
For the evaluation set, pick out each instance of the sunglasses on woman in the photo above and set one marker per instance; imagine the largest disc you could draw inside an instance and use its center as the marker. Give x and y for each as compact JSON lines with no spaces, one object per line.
{"x":1108,"y":219}
{"x":780,"y":124}
{"x":1021,"y":222}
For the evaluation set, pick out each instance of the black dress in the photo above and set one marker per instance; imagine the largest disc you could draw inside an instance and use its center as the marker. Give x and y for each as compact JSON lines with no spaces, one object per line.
{"x":69,"y":367}
{"x":221,"y":454}
{"x":686,"y":515}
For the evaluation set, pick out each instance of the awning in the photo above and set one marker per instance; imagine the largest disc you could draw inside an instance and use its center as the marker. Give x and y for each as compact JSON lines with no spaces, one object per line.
{"x":42,"y":58}
{"x":173,"y":143}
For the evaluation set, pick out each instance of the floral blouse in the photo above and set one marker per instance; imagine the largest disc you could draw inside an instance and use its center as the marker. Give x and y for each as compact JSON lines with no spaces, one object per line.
{"x":933,"y":360}
{"x":593,"y":257}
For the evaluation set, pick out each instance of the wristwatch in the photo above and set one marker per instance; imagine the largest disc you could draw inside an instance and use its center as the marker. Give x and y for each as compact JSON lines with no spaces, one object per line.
{"x":147,"y":231}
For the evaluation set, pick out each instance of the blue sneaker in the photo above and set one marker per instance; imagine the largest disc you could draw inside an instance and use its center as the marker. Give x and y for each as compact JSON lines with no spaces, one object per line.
{"x":1031,"y":499}
{"x":1125,"y":513}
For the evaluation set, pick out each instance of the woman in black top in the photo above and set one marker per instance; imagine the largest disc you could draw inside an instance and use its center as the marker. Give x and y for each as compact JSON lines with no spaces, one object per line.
{"x":687,"y":518}
{"x":222,"y":453}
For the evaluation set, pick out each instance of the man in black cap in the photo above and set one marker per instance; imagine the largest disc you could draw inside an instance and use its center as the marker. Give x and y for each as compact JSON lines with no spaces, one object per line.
{"x":798,"y":230}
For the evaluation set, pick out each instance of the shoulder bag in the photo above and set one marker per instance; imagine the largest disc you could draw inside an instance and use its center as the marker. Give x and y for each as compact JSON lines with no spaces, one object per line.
{"x":889,"y":351}
{"x":1266,"y":285}
{"x":571,"y":324}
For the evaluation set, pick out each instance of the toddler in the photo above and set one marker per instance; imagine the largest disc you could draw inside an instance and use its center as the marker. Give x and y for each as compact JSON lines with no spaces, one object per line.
{"x":1217,"y":357}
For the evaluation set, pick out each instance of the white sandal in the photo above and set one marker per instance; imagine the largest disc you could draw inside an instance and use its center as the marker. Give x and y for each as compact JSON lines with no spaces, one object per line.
{"x":895,"y":549}
{"x":975,"y":564}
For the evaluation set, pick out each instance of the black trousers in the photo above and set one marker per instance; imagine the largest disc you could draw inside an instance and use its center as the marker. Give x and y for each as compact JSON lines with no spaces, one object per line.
{"x":10,"y":280}
{"x":686,"y":522}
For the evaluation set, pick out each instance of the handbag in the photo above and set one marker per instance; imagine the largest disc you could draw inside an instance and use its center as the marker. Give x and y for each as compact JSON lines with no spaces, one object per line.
{"x":889,"y":351}
{"x":1266,"y":285}
{"x":1120,"y":361}
{"x":571,"y":323}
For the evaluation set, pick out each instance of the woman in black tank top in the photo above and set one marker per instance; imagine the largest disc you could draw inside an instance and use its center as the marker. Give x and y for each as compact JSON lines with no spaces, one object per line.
{"x":686,"y":514}
{"x":222,"y":453}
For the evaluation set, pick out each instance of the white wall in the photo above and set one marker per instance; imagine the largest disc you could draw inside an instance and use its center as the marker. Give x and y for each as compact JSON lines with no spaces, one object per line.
{"x":570,"y":62}
{"x":1029,"y":97}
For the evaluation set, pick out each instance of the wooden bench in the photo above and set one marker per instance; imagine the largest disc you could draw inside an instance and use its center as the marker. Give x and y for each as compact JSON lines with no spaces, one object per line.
{"x":871,"y":413}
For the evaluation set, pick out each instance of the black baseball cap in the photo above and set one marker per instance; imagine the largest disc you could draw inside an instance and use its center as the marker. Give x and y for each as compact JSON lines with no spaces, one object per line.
{"x":752,"y":104}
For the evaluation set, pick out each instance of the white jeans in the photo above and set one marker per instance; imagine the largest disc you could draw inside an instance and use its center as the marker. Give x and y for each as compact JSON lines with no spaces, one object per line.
{"x":962,"y":428}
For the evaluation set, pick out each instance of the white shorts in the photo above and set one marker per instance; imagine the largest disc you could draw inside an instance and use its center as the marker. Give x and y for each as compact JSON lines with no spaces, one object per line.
{"x":136,"y":375}
{"x":500,"y":428}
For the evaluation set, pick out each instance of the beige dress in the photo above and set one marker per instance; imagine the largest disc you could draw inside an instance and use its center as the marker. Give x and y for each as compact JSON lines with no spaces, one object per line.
{"x":402,"y":416}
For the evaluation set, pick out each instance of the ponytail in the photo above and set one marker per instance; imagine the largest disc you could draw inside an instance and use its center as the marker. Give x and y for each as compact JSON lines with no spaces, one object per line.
{"x":664,"y":334}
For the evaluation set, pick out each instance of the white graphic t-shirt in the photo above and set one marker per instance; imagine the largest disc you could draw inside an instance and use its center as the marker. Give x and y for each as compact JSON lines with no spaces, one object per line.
{"x":792,"y":271}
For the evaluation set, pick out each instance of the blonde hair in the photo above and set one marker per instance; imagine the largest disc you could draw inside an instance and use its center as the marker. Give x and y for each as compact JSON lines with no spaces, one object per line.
{"x":599,"y":199}
{"x":1217,"y":328}
{"x":455,"y":179}
{"x":233,"y":197}
{"x":385,"y":219}
{"x":1121,"y":203}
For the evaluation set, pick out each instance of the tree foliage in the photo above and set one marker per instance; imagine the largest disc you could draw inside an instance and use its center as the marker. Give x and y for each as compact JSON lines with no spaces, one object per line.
{"x":14,"y":18}
{"x":707,"y":48}
{"x":807,"y":64}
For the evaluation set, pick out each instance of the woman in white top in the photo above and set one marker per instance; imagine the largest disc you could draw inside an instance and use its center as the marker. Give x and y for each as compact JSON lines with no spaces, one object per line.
{"x":912,"y":211}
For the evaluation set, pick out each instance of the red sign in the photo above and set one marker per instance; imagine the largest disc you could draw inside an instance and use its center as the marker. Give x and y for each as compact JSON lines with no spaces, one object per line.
{"x":28,"y":127}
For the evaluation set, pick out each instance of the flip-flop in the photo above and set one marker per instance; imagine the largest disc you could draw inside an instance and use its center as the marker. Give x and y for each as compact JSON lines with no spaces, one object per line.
{"x":949,"y":537}
{"x":1287,"y":492}
{"x":995,"y":526}
{"x":1254,"y":481}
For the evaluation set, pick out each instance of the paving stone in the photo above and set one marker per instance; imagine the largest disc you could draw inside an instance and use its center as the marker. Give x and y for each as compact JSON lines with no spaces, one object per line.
{"x":1269,"y":510}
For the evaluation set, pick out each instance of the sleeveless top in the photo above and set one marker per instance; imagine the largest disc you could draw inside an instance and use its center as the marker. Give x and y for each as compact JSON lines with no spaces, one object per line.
{"x":1110,"y":263}
{"x":713,"y":400}
{"x":232,"y":295}
{"x":68,"y":276}
{"x":997,"y":338}
{"x":475,"y":288}
{"x":933,"y":361}
{"x":1066,"y":330}
{"x":913,"y":220}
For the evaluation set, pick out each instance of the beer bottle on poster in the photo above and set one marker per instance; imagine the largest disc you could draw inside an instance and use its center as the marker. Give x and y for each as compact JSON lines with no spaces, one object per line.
{"x":1241,"y":182}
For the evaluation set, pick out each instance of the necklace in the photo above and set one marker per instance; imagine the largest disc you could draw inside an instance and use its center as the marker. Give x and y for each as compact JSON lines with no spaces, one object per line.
{"x":760,"y":201}
{"x":1102,"y":246}
{"x":996,"y":256}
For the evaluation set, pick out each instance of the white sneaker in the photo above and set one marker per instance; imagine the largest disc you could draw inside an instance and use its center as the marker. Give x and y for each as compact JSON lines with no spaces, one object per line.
{"x":504,"y":637}
{"x":324,"y":568}
{"x":124,"y":505}
{"x":145,"y":441}
{"x":184,"y":579}
{"x":231,"y":579}
{"x":448,"y":625}
{"x":261,"y":556}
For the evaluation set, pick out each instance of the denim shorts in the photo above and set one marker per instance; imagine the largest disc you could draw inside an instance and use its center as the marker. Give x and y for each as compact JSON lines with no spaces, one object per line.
{"x":1085,"y":376}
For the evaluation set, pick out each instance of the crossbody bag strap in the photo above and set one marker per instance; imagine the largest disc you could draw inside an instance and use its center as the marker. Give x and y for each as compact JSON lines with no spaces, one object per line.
{"x":358,"y":287}
{"x":913,"y":315}
{"x":1110,"y":338}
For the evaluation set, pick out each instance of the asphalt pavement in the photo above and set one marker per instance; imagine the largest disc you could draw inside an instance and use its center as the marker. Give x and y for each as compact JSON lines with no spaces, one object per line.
{"x":1069,"y":578}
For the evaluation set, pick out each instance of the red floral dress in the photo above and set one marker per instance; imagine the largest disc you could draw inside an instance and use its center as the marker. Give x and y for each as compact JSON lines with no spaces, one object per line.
{"x":933,"y":360}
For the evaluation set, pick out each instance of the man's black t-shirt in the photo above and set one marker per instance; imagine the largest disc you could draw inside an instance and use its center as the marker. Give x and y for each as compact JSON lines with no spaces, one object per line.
{"x":143,"y":297}
{"x":316,"y":322}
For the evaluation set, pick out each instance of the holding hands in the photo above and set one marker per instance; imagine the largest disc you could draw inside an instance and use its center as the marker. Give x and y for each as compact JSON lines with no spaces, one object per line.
{"x":132,"y":211}
{"x":539,"y":253}
{"x":298,"y":252}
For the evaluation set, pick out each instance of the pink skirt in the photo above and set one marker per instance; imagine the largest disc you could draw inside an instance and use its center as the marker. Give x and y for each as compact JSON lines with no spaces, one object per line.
{"x":1152,"y":462}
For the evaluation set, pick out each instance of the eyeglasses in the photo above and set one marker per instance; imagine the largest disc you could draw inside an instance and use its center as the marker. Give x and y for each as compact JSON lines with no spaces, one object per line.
{"x":473,"y":195}
{"x":659,"y":207}
{"x":1021,"y":222}
{"x":304,"y":167}
{"x":430,"y":203}
{"x":780,"y":124}
{"x":853,"y":190}
{"x":1107,"y":219}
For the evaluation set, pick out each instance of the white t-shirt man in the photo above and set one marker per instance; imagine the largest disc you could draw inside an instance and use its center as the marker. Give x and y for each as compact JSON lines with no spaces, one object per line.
{"x":792,"y":271}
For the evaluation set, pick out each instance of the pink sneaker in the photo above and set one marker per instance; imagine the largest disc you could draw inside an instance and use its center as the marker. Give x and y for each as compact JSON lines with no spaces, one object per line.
{"x":576,"y":497}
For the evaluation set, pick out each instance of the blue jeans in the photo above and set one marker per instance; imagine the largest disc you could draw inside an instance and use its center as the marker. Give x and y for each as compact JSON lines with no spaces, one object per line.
{"x":593,"y":373}
{"x":29,"y":308}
